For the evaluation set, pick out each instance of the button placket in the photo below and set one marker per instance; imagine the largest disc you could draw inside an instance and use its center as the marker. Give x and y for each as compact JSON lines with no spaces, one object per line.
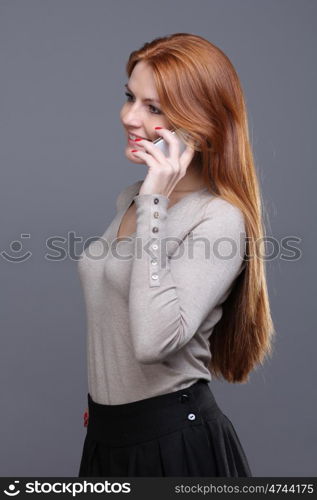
{"x":155,"y":228}
{"x":188,"y":401}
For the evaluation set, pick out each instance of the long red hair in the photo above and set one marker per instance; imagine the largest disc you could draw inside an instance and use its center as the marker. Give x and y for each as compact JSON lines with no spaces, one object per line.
{"x":200,"y":92}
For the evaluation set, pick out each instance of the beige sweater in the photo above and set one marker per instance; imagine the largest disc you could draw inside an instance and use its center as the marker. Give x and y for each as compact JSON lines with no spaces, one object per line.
{"x":152,"y":299}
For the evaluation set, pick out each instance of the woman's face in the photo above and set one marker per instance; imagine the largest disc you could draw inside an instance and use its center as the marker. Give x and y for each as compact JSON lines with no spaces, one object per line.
{"x":141,"y":113}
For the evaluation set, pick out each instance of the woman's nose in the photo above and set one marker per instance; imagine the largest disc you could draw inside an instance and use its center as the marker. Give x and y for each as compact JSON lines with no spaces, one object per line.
{"x":132,"y":118}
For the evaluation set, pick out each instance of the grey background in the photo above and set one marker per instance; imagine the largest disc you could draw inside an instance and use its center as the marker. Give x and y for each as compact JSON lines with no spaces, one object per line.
{"x":62,"y":166}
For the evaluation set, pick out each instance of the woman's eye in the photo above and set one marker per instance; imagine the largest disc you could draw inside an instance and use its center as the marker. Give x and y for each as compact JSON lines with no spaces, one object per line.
{"x":128,"y":95}
{"x":156,"y":112}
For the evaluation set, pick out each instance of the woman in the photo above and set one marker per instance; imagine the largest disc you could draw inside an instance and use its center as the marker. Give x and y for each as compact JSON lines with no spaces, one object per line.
{"x":175,"y":300}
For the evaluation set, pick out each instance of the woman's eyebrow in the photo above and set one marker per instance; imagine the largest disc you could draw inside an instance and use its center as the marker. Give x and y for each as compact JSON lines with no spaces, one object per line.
{"x":145,"y":100}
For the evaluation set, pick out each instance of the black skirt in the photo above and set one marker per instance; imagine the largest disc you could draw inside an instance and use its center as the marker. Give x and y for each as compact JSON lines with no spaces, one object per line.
{"x":182,"y":433}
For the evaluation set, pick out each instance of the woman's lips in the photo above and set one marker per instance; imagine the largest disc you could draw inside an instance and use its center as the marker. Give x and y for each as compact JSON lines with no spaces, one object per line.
{"x":135,"y":143}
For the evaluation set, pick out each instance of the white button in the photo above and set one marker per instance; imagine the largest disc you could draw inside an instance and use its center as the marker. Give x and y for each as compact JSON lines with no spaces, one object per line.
{"x":155,"y":246}
{"x":154,"y":276}
{"x":191,"y":416}
{"x":154,"y":262}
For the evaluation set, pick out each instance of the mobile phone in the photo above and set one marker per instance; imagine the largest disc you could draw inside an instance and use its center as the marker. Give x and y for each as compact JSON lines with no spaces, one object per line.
{"x":163,"y":145}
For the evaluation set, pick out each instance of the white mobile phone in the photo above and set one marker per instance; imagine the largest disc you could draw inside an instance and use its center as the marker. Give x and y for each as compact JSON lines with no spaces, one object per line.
{"x":163,"y":146}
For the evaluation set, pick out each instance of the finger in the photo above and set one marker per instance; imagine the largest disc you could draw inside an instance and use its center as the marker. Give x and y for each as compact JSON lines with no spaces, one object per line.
{"x":148,"y":158}
{"x":153,"y":150}
{"x":172,"y":141}
{"x":186,"y":157}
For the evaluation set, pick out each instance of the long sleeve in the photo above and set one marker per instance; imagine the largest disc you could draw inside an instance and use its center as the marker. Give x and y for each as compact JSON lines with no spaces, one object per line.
{"x":170,"y":296}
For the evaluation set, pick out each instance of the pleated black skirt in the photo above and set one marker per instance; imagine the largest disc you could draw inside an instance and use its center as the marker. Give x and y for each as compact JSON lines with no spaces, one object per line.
{"x":183,"y":433}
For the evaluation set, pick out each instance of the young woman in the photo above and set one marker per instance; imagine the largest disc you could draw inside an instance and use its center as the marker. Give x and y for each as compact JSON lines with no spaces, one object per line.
{"x":175,"y":289}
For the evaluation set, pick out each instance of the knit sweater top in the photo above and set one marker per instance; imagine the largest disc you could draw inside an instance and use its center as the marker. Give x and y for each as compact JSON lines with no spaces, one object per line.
{"x":152,"y":298}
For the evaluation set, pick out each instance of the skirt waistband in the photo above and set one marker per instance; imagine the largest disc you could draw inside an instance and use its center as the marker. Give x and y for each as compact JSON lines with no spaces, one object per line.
{"x":132,"y":423}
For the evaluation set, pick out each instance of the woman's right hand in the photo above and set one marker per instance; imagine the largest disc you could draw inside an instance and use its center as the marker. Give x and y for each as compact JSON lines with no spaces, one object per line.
{"x":86,"y":417}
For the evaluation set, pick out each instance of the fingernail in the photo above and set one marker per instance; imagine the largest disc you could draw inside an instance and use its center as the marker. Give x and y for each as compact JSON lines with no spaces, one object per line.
{"x":157,"y":127}
{"x":138,"y":139}
{"x":133,"y":150}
